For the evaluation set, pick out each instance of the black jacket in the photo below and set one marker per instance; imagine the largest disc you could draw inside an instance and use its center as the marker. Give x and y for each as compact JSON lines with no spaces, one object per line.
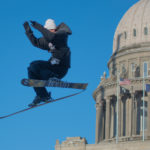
{"x":58,"y":40}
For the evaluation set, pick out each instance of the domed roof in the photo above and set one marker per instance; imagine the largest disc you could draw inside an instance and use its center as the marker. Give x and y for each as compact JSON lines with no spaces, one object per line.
{"x":134,"y":27}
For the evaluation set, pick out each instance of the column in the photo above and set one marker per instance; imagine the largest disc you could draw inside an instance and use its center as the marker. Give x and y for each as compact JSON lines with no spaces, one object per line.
{"x":119,"y":116}
{"x":130,"y":118}
{"x":127,"y":117}
{"x":134,"y":115}
{"x":131,"y":114}
{"x":107,"y":129}
{"x":132,"y":122}
{"x":112,"y":120}
{"x":138,"y":122}
{"x":122,"y":115}
{"x":148,"y":115}
{"x":99,"y":122}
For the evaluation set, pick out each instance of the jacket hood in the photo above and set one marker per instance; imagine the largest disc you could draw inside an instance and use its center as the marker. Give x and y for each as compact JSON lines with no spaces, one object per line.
{"x":64,"y":27}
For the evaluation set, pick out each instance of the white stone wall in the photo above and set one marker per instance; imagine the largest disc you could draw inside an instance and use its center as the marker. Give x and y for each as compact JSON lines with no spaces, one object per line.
{"x":138,"y":145}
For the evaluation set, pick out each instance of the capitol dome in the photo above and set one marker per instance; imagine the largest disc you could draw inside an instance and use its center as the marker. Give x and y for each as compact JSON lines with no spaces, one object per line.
{"x":134,"y":27}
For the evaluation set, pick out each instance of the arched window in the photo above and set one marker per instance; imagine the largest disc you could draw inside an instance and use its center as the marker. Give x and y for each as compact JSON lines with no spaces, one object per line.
{"x":145,"y":69}
{"x":123,"y":68}
{"x":133,"y":67}
{"x":145,"y":31}
{"x":134,"y":32}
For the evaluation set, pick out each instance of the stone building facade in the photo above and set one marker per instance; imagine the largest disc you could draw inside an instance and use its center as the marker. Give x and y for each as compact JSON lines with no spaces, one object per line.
{"x":130,"y":60}
{"x":78,"y":143}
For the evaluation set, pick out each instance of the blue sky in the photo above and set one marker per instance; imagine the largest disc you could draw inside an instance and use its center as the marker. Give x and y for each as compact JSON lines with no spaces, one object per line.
{"x":93,"y":24}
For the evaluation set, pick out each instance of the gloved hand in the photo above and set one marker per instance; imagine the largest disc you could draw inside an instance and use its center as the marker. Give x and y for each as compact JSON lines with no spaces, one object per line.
{"x":35,"y":24}
{"x":27,"y":27}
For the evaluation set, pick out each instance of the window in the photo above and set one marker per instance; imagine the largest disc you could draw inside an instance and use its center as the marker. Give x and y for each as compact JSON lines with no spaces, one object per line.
{"x":114,"y":69}
{"x":134,"y":32}
{"x":145,"y":69}
{"x":145,"y":31}
{"x":149,"y":68}
{"x":145,"y":116}
{"x":123,"y":68}
{"x":125,"y":35}
{"x":133,"y":68}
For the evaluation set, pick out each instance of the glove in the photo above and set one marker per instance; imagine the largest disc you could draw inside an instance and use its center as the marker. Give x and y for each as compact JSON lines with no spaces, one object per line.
{"x":35,"y":24}
{"x":27,"y":27}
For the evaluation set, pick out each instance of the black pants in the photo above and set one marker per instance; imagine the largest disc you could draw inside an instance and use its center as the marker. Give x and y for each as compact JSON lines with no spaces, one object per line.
{"x":43,"y":70}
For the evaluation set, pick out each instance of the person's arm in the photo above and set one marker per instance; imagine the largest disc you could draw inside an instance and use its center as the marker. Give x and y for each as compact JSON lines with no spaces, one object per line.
{"x":49,"y":36}
{"x":38,"y":42}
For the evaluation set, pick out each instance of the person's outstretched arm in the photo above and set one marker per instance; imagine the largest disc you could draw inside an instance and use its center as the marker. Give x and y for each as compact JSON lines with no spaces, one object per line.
{"x":49,"y":36}
{"x":38,"y":42}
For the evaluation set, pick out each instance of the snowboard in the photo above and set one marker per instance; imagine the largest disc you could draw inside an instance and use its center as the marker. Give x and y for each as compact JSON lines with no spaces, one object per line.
{"x":53,"y":82}
{"x":41,"y":104}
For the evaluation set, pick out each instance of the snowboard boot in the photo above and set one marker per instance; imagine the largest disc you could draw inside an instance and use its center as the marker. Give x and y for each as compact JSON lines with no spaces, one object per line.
{"x":39,"y":99}
{"x":47,"y":99}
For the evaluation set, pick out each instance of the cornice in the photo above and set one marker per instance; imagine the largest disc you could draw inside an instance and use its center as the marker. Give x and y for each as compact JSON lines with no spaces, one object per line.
{"x":136,"y":84}
{"x":130,"y":50}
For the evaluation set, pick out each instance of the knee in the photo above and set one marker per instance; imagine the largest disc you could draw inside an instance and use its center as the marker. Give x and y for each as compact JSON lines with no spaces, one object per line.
{"x":30,"y":68}
{"x":33,"y":70}
{"x":33,"y":65}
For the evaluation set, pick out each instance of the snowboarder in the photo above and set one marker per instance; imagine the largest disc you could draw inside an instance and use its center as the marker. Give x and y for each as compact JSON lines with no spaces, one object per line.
{"x":54,"y":40}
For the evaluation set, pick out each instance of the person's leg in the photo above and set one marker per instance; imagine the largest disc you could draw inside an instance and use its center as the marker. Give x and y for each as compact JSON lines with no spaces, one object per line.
{"x":40,"y":70}
{"x":34,"y":73}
